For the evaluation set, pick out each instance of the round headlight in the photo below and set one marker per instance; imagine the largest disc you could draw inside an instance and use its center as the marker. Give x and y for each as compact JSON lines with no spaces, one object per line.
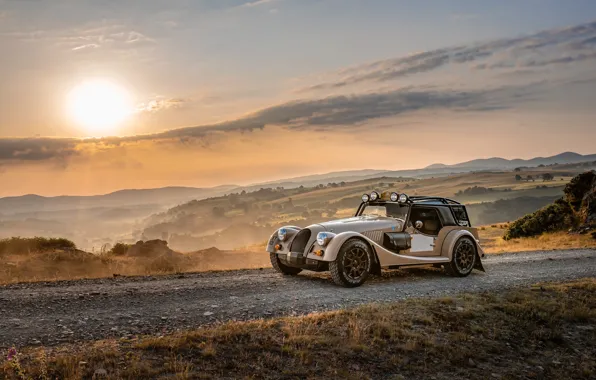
{"x":394,"y":197}
{"x":323,"y":238}
{"x":282,"y":234}
{"x":365,"y":198}
{"x":403,"y":198}
{"x":374,"y":196}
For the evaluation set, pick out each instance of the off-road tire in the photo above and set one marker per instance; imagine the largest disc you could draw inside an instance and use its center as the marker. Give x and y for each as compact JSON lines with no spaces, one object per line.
{"x":353,"y":253}
{"x":463,"y":258}
{"x":281,"y":268}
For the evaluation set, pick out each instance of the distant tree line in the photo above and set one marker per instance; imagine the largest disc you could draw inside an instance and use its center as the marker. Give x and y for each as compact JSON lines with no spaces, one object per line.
{"x":545,"y":177}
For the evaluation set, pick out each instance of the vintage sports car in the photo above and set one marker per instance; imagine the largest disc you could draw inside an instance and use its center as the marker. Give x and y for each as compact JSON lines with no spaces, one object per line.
{"x":389,"y":230}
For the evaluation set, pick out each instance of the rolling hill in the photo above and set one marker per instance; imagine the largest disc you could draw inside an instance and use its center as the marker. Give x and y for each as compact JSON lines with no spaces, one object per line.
{"x":502,"y":163}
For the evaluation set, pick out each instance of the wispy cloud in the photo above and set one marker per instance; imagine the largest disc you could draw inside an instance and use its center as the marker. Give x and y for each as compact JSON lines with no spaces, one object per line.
{"x":111,"y":36}
{"x":552,"y":47}
{"x":257,"y":3}
{"x":160,"y":104}
{"x":86,"y":46}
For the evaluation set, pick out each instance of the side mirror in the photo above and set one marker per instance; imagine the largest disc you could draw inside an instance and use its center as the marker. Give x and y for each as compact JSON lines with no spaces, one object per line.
{"x":418,"y":225}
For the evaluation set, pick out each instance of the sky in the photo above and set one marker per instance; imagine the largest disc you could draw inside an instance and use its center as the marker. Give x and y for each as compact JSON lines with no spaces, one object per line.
{"x":245,"y":91}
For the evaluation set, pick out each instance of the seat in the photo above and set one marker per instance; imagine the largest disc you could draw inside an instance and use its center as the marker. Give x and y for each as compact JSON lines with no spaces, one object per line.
{"x":431,"y":227}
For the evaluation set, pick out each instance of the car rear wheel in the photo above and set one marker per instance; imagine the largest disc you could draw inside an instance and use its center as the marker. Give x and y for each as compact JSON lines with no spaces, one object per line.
{"x":282,"y":268}
{"x":463,"y":258}
{"x":352,"y":265}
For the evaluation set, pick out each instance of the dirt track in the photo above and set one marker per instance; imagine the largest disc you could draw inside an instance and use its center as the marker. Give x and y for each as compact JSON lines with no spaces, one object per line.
{"x":70,"y":311}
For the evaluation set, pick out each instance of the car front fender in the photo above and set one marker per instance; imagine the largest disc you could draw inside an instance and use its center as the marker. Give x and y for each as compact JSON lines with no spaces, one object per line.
{"x":273,"y":240}
{"x":332,"y":249}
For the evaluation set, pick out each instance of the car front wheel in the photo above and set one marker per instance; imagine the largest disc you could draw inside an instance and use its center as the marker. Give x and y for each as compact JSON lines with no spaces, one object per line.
{"x":463,"y":258}
{"x":282,"y":268}
{"x":352,"y":265}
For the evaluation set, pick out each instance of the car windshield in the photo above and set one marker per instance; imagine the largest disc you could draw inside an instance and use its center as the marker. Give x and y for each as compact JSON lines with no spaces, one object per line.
{"x":392,"y":210}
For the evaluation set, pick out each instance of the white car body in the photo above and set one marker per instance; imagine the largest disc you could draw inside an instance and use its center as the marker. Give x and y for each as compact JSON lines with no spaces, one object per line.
{"x":300,"y":249}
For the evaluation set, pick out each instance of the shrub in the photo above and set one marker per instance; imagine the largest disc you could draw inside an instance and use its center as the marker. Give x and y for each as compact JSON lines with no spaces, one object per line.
{"x":578,"y":187}
{"x":19,"y":245}
{"x":119,"y":249}
{"x":577,"y":207}
{"x":475,"y":190}
{"x":553,"y":217}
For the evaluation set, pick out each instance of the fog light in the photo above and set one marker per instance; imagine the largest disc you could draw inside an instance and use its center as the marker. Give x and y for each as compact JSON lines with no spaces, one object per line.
{"x":278,"y":247}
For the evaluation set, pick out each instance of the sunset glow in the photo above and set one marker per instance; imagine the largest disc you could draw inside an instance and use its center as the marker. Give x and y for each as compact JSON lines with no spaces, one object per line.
{"x":99,"y":106}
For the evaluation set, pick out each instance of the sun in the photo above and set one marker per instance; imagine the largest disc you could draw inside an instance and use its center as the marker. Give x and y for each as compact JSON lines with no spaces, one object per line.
{"x":99,"y":106}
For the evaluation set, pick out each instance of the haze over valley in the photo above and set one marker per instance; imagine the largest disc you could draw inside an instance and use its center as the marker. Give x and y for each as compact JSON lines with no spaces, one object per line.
{"x":232,"y":216}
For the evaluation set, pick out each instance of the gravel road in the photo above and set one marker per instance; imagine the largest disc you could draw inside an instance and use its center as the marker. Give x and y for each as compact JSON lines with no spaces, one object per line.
{"x":70,"y":311}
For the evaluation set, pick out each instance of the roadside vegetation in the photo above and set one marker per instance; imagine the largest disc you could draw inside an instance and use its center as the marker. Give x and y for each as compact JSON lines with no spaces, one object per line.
{"x":574,"y":211}
{"x":23,"y":246}
{"x":543,"y":331}
{"x":491,"y":240}
{"x":40,"y":259}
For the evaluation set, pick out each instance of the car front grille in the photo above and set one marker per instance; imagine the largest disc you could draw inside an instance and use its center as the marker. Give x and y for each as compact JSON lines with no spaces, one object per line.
{"x":300,"y":241}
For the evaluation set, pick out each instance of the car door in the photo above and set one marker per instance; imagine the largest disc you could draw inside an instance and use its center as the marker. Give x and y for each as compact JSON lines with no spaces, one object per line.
{"x":424,"y":227}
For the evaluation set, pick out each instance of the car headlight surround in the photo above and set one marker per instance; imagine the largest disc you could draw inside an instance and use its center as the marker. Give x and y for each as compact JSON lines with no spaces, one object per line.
{"x":282,"y":234}
{"x":323,"y":238}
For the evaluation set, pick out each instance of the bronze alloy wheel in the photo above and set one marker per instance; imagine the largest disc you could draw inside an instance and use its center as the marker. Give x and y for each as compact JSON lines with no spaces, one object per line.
{"x":464,"y":255}
{"x":353,"y":263}
{"x":463,"y":258}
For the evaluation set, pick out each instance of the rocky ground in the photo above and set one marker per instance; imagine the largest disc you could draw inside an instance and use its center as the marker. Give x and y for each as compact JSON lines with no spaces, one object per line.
{"x":71,"y":311}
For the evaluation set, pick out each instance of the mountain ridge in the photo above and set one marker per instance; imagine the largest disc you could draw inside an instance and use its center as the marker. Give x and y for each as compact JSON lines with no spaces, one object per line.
{"x":503,"y":163}
{"x":176,"y":194}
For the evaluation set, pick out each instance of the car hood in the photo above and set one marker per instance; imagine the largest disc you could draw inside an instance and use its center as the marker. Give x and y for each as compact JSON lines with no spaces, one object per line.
{"x":362,"y":224}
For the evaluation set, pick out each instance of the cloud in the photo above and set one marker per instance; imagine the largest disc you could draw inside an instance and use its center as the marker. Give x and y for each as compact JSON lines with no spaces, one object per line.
{"x":326,"y":113}
{"x":391,"y":69}
{"x":557,"y":46}
{"x":86,"y":46}
{"x":257,"y":3}
{"x":93,"y":36}
{"x":36,"y":149}
{"x":161,"y":104}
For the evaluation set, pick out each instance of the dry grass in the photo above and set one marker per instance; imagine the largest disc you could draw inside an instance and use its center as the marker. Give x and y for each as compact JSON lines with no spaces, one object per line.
{"x":64,"y":265}
{"x":544,"y":331}
{"x":491,"y":240}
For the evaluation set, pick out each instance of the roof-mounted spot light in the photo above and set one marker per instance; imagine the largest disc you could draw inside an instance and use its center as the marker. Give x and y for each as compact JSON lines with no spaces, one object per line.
{"x":394,"y":197}
{"x":365,"y":198}
{"x":374,"y":196}
{"x":403,"y":198}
